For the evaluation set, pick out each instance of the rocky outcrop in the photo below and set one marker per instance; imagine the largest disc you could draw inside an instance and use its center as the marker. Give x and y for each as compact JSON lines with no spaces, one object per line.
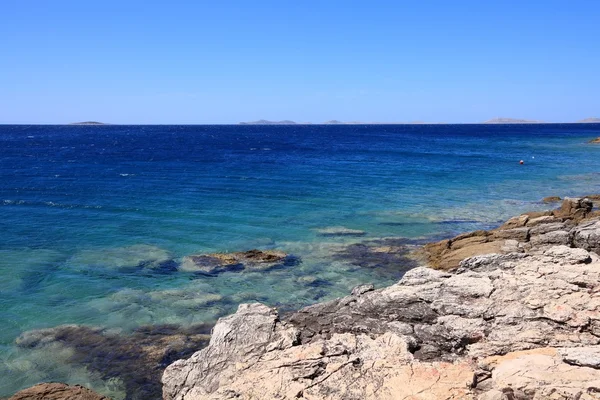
{"x":595,"y":141}
{"x":502,"y":326}
{"x":214,"y":263}
{"x":525,"y":233}
{"x":57,"y":391}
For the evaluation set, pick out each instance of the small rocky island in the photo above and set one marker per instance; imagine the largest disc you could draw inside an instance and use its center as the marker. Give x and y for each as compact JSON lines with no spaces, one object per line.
{"x":266,"y":122}
{"x":591,"y":120}
{"x":511,"y":121}
{"x":88,"y":123}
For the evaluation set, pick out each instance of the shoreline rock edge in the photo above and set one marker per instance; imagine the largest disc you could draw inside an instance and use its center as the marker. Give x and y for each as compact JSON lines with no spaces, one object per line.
{"x":522,"y":324}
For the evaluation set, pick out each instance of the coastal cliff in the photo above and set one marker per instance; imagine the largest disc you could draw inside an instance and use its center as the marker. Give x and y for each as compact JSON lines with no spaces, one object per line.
{"x":520,"y":323}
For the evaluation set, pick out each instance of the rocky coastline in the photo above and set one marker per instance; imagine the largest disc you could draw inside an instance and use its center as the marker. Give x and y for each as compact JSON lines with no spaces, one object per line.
{"x":510,"y":313}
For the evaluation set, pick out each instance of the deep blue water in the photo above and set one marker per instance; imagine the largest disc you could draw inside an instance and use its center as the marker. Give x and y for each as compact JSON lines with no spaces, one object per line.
{"x":82,"y":206}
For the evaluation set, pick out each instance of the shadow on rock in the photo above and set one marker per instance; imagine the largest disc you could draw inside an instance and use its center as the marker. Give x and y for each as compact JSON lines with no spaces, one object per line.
{"x":138,"y":359}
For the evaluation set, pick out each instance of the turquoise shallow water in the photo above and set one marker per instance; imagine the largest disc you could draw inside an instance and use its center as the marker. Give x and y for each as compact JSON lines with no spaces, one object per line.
{"x":84,"y":209}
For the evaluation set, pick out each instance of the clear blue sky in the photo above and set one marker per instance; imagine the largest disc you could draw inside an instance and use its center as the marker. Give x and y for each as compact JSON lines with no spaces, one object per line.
{"x":230,"y":61}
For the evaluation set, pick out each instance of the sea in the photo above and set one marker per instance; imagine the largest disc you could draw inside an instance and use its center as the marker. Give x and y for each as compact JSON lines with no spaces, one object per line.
{"x":94,"y":220}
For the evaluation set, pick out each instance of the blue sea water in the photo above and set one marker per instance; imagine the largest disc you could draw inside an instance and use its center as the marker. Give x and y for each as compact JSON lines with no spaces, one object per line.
{"x":83,"y":208}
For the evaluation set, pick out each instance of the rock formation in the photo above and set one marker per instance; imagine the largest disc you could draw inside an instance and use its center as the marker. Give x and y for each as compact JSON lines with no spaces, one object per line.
{"x":57,"y":391}
{"x":520,"y":323}
{"x":596,"y":141}
{"x":518,"y":234}
{"x":220,"y":262}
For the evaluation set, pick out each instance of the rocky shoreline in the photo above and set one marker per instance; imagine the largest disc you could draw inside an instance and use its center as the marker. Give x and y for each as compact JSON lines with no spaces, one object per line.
{"x":520,"y":323}
{"x":510,"y":313}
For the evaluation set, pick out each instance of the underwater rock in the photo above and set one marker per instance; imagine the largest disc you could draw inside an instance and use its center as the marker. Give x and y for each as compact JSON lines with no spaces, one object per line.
{"x":57,"y":391}
{"x":387,"y":257}
{"x":137,"y":359}
{"x":126,"y":258}
{"x":214,"y":263}
{"x":340,"y":231}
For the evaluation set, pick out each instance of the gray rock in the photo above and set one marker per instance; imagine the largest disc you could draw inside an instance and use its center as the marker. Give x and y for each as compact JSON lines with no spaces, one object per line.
{"x":542,"y":229}
{"x":361,"y":289}
{"x":582,"y":356}
{"x":551,"y":239}
{"x":564,"y":254}
{"x":587,"y":236}
{"x":245,"y":335}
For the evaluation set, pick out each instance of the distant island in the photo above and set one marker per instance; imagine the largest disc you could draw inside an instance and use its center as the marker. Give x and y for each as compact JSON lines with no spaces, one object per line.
{"x":265,"y":122}
{"x":88,"y":123}
{"x":499,"y":121}
{"x":591,"y":120}
{"x":511,"y":121}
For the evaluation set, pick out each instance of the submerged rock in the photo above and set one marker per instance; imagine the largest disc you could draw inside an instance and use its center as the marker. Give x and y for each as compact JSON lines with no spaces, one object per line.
{"x":215,"y":263}
{"x":137,"y":359}
{"x":126,"y":258}
{"x":388,"y":257}
{"x":57,"y":391}
{"x":340,"y":231}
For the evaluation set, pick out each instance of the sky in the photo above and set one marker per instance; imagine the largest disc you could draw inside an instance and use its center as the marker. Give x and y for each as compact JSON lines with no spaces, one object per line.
{"x":203,"y":62}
